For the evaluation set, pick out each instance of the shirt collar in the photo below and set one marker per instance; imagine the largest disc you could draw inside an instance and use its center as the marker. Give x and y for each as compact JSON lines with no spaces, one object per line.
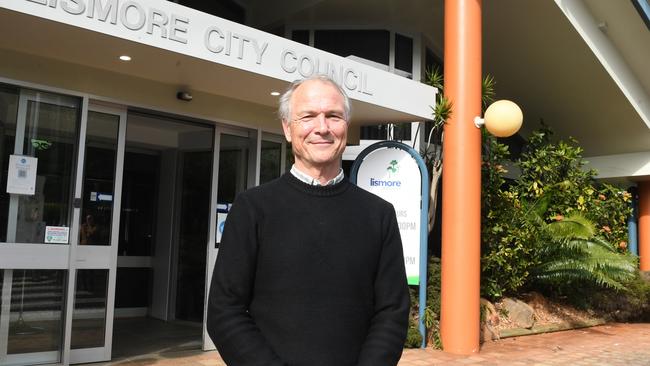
{"x":312,"y":181}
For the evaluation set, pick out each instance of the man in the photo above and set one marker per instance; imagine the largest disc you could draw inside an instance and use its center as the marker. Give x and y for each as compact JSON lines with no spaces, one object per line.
{"x":310,"y":270}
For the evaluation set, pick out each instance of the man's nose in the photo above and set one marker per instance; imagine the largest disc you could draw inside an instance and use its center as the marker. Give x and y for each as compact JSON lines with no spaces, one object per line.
{"x":321,"y":123}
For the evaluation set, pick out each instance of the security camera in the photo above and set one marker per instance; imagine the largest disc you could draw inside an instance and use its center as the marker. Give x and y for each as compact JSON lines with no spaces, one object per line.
{"x":184,"y":96}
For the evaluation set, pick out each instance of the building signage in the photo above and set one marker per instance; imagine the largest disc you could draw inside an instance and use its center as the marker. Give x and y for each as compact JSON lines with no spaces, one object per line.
{"x":394,"y":175}
{"x":153,"y":22}
{"x":176,"y":28}
{"x":397,"y":173}
{"x":21,"y":177}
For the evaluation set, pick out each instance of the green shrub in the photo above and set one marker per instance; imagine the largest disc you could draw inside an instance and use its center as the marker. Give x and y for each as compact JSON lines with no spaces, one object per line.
{"x":573,"y":253}
{"x":629,"y":304}
{"x":431,"y":312}
{"x":516,"y":215}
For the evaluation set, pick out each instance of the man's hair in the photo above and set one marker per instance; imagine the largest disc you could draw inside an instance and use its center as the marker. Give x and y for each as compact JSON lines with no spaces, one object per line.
{"x":284,"y":110}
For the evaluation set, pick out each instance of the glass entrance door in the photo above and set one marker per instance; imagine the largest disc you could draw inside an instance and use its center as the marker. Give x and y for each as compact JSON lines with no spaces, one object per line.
{"x":245,"y":159}
{"x":42,"y":139}
{"x":93,"y":270}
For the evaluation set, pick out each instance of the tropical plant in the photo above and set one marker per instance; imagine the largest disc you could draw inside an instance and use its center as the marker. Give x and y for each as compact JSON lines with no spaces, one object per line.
{"x":519,"y":247}
{"x":573,"y":252}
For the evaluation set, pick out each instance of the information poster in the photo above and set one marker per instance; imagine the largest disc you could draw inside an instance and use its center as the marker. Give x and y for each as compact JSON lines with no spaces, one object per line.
{"x":394,"y":175}
{"x":21,"y":177}
{"x":57,"y":234}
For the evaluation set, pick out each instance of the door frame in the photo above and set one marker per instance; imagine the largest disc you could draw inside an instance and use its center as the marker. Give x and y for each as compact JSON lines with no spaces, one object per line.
{"x":255,"y":138}
{"x":94,"y":256}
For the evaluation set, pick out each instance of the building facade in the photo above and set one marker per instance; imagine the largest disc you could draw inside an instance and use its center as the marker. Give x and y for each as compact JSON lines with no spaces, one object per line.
{"x":128,"y":127}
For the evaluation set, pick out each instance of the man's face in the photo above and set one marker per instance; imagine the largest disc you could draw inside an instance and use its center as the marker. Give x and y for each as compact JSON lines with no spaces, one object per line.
{"x":317,"y":129}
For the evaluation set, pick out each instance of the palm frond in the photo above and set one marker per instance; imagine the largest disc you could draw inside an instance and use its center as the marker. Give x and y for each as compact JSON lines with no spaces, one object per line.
{"x":574,"y":226}
{"x":487,"y":90}
{"x":573,"y":252}
{"x":435,"y":78}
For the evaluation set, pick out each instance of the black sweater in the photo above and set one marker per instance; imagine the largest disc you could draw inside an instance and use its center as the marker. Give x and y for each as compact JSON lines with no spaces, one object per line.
{"x":309,"y":276}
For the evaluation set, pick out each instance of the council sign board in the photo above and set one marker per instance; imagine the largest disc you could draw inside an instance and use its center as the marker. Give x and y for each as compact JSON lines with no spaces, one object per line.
{"x":394,"y":175}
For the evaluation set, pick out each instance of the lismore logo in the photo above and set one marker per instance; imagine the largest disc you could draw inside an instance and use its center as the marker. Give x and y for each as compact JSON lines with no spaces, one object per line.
{"x":393,"y":168}
{"x":384,"y":183}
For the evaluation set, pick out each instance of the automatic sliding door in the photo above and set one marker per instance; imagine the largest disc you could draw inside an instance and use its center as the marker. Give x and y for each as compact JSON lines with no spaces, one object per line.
{"x":96,"y":253}
{"x":38,"y":142}
{"x":235,"y":152}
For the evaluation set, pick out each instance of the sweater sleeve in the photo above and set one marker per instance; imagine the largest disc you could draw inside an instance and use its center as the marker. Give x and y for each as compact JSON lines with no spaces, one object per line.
{"x":229,"y":324}
{"x":385,"y":340}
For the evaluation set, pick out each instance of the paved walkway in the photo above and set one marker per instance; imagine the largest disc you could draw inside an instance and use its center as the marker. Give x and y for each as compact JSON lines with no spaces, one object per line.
{"x":614,"y":344}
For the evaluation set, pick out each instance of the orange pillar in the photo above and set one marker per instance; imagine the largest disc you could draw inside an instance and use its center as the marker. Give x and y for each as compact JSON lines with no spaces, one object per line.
{"x":644,"y":226}
{"x":461,"y":180}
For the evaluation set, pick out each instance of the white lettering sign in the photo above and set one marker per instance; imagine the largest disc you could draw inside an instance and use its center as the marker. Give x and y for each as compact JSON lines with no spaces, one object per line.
{"x":172,"y":27}
{"x":219,"y":40}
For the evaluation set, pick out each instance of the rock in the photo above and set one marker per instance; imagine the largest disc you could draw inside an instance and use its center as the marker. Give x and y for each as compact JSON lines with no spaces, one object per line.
{"x":489,"y":313}
{"x":519,"y":312}
{"x":488,"y":333}
{"x":489,"y":319}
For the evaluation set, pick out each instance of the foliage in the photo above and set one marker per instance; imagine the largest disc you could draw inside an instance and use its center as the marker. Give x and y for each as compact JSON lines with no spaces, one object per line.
{"x":431,"y":311}
{"x":560,"y":167}
{"x":525,"y":238}
{"x":506,"y":235}
{"x":573,"y":253}
{"x":629,"y":304}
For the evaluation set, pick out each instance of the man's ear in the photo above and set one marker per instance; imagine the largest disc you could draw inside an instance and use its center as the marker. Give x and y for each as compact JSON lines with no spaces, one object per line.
{"x":287,"y":130}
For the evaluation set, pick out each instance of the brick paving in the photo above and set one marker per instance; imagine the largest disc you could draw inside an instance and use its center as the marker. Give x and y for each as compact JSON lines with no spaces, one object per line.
{"x":612,"y":344}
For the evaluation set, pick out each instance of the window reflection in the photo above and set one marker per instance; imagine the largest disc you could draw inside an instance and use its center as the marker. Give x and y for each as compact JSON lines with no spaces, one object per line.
{"x":47,"y":130}
{"x":271,"y":158}
{"x":36,"y":314}
{"x":8,"y":116}
{"x":50,"y":135}
{"x":99,"y":179}
{"x":233,"y":167}
{"x":89,"y":315}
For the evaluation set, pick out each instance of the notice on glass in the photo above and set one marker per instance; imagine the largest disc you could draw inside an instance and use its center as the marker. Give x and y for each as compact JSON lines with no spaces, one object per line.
{"x":22,"y":175}
{"x":57,"y":234}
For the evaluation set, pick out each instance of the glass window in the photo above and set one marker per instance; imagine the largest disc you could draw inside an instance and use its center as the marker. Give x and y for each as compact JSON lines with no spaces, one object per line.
{"x":271,"y":159}
{"x":403,"y":53}
{"x":301,"y":36}
{"x":99,"y":179}
{"x":432,"y":62}
{"x":46,"y":129}
{"x":36,"y":315}
{"x":233,"y":167}
{"x":89,"y":314}
{"x":373,"y":45}
{"x":139,"y":203}
{"x":227,"y":9}
{"x":193,"y":233}
{"x":377,"y":132}
{"x":400,"y":131}
{"x":8,"y":116}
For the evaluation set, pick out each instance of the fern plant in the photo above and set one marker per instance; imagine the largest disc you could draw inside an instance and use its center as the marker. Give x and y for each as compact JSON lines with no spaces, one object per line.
{"x":572,"y":252}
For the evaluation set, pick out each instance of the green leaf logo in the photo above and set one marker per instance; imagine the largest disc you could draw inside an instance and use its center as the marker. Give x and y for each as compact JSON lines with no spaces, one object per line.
{"x":392,"y":167}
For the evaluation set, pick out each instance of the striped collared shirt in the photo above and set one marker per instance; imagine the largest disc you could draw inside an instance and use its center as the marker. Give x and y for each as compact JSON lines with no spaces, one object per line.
{"x":314,"y":182}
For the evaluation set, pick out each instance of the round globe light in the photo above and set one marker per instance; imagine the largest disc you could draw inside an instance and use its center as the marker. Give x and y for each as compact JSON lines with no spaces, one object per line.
{"x":503,"y":118}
